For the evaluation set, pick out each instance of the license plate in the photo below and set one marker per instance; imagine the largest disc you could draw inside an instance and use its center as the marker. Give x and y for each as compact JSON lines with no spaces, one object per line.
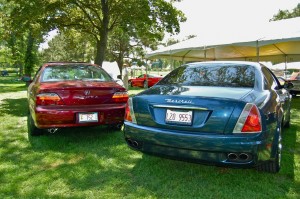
{"x":88,"y":117}
{"x":179,"y":117}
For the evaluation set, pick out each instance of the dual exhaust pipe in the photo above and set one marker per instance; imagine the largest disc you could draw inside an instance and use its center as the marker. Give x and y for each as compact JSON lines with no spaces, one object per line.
{"x":239,"y":157}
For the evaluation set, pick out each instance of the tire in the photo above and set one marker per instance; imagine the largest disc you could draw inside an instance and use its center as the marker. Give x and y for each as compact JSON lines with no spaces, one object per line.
{"x":145,"y":84}
{"x":32,"y":129}
{"x":273,"y":166}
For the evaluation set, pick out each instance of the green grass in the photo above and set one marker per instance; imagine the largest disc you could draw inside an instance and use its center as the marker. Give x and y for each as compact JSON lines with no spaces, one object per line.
{"x":96,"y":163}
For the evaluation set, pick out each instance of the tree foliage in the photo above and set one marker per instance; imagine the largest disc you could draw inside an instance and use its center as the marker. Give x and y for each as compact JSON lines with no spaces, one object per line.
{"x":69,"y":46}
{"x":144,"y":20}
{"x":98,"y":18}
{"x":23,"y":31}
{"x":286,"y":14}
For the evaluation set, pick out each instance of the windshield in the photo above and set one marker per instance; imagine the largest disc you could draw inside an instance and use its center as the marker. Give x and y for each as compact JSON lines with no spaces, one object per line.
{"x":221,"y":75}
{"x":74,"y":72}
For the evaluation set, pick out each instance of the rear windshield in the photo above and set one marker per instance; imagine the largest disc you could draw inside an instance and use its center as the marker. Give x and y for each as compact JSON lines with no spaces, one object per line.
{"x":74,"y":72}
{"x":221,"y":75}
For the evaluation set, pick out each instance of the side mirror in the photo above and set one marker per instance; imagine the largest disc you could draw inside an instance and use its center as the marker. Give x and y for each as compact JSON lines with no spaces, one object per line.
{"x":288,"y":85}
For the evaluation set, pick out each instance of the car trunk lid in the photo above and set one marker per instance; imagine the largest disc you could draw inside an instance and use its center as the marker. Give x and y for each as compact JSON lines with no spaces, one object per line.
{"x":82,"y":92}
{"x":202,"y":110}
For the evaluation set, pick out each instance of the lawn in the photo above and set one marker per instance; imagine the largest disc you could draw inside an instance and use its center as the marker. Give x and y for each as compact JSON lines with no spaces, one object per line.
{"x":96,"y":163}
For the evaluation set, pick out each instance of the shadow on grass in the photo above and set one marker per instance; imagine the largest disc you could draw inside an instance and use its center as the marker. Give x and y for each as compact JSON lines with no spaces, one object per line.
{"x":86,"y":158}
{"x":96,"y":162}
{"x":14,"y":107}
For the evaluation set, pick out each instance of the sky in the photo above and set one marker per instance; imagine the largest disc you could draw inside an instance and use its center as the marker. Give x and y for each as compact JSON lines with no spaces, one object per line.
{"x":218,"y":18}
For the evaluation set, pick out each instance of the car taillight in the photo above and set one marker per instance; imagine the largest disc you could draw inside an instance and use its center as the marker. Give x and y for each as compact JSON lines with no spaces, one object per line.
{"x":249,"y":120}
{"x":120,"y":97}
{"x":129,"y":113}
{"x":44,"y":99}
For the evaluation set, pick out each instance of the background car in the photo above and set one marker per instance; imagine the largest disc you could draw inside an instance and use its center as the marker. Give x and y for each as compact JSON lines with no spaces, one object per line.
{"x":223,"y":113}
{"x":295,"y":80}
{"x":144,"y":81}
{"x":73,"y":95}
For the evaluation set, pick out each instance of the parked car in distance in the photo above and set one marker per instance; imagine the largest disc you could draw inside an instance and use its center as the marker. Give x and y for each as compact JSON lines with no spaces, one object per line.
{"x":295,"y":80}
{"x":74,"y":95}
{"x":224,"y":113}
{"x":144,"y":81}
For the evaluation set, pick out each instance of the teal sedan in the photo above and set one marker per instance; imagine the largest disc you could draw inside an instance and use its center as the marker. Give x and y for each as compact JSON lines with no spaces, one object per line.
{"x":226,"y":113}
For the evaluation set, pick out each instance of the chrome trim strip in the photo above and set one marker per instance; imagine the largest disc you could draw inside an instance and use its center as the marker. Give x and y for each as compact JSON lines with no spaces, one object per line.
{"x":180,"y":107}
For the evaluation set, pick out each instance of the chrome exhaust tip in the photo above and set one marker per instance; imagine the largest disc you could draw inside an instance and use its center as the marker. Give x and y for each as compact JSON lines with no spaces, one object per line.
{"x":232,"y":156}
{"x":244,"y":156}
{"x":52,"y":130}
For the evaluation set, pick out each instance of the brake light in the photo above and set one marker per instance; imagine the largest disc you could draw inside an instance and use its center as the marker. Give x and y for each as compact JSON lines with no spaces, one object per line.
{"x":120,"y":97}
{"x":249,"y":120}
{"x":129,"y":113}
{"x":44,"y":99}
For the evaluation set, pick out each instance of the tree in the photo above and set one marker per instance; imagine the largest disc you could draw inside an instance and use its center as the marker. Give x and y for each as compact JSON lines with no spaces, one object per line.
{"x":98,"y":18}
{"x":69,"y":46}
{"x":286,"y":14}
{"x":23,"y":31}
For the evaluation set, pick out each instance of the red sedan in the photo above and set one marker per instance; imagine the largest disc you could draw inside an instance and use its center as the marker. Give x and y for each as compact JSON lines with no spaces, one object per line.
{"x":143,"y":81}
{"x":73,"y":95}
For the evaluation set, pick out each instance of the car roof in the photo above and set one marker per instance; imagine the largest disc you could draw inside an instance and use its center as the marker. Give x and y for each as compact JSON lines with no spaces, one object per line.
{"x":255,"y":64}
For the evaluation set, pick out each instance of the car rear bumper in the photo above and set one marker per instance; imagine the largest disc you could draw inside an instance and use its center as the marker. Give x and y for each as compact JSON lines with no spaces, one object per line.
{"x":57,"y":117}
{"x":231,"y":150}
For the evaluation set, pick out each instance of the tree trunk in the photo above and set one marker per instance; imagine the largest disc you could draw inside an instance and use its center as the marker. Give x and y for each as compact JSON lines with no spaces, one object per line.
{"x":29,"y":57}
{"x":102,"y":43}
{"x":100,"y":52}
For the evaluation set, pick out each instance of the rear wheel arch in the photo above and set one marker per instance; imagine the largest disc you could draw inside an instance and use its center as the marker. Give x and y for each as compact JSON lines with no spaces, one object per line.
{"x":31,"y":128}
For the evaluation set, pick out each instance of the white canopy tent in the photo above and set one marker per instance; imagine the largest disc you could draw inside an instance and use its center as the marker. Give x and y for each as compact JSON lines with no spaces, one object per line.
{"x":279,"y":42}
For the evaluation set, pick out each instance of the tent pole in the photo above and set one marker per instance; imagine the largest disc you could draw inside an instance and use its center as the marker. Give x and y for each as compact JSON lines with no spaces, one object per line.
{"x":257,"y":51}
{"x":204,"y":53}
{"x":171,"y":62}
{"x":183,"y":57}
{"x":285,"y":62}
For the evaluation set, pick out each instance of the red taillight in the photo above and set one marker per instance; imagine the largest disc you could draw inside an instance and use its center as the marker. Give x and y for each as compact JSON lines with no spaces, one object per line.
{"x":249,"y":120}
{"x":45,"y":99}
{"x":253,"y":123}
{"x":120,"y":97}
{"x":129,"y":113}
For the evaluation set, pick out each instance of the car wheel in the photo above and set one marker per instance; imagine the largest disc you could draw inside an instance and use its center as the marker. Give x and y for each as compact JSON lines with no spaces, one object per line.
{"x":32,"y":129}
{"x":273,"y":166}
{"x":145,"y":84}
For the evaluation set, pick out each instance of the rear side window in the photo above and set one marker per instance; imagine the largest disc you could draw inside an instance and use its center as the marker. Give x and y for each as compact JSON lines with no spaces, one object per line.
{"x":74,"y":72}
{"x":221,"y":75}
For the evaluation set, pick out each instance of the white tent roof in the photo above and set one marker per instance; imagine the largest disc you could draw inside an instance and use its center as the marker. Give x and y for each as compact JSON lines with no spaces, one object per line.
{"x":279,"y":42}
